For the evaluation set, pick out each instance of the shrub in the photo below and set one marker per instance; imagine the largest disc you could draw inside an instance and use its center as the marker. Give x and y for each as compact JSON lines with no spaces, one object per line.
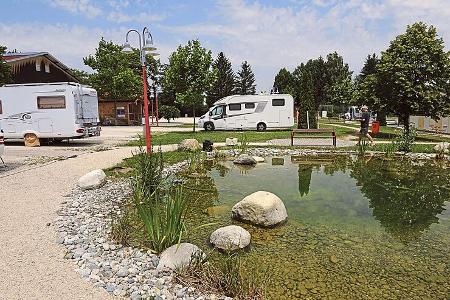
{"x":406,"y":140}
{"x":168,"y":112}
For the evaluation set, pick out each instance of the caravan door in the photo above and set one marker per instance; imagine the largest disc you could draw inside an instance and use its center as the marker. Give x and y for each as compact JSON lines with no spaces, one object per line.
{"x":217,"y":116}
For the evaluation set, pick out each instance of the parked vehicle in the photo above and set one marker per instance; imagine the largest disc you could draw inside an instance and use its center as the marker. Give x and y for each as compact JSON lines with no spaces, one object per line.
{"x":258,"y":112}
{"x":354,"y":113}
{"x":57,"y":111}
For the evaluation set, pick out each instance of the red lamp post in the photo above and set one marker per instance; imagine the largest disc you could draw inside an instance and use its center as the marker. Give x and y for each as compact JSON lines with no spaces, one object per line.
{"x":145,"y":44}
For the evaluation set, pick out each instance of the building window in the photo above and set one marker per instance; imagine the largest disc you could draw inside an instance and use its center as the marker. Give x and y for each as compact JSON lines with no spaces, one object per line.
{"x":277,"y":102}
{"x":120,"y":112}
{"x":249,"y":105}
{"x":51,"y":102}
{"x":234,"y":106}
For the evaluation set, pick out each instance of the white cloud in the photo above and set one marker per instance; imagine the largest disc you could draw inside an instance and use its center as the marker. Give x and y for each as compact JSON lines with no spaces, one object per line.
{"x":69,"y":44}
{"x":143,"y":18}
{"x":272,"y":37}
{"x":84,"y":7}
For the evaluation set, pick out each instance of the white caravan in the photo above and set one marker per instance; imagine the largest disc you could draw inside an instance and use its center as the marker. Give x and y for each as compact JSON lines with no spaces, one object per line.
{"x":258,"y":112}
{"x":55,"y":111}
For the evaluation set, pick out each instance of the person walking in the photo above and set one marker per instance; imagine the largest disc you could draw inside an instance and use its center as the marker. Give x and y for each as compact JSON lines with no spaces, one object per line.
{"x":365,"y":120}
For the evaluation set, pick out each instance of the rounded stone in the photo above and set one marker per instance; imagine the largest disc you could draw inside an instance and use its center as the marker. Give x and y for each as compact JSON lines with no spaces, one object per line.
{"x":259,"y":159}
{"x":189,"y":145}
{"x":178,"y":256}
{"x":260,"y":208}
{"x":92,"y":180}
{"x":230,"y":238}
{"x":244,"y":159}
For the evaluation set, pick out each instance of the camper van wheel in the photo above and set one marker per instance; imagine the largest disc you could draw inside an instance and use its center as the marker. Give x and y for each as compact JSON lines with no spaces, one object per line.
{"x":31,"y":140}
{"x":261,"y":127}
{"x":209,"y":126}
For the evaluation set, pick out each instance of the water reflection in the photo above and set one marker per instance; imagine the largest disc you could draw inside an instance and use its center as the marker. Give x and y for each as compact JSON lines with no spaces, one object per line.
{"x":304,"y":179}
{"x":405,"y":199}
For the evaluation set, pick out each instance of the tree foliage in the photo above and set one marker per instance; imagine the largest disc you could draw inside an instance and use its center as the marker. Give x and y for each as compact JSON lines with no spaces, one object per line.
{"x":83,"y":76}
{"x":303,"y":93}
{"x":189,"y":74}
{"x":5,"y":70}
{"x":117,"y":75}
{"x":245,"y":82}
{"x":169,"y":112}
{"x":224,"y":79}
{"x":283,"y":82}
{"x":415,"y":73}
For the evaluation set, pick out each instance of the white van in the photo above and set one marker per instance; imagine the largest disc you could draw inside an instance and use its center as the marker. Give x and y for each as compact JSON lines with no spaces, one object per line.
{"x":258,"y":112}
{"x":57,"y":111}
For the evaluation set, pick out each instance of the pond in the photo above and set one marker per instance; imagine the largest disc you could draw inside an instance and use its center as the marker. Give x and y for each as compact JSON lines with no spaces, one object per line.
{"x":357,"y":229}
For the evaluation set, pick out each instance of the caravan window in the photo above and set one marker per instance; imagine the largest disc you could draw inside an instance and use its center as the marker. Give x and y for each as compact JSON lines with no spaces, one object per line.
{"x":234,"y":106}
{"x":51,"y":102}
{"x":277,"y":102}
{"x":249,"y":105}
{"x":1,"y":108}
{"x":218,"y":111}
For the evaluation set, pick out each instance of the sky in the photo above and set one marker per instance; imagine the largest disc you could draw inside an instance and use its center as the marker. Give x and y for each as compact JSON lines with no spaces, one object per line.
{"x":269,"y":35}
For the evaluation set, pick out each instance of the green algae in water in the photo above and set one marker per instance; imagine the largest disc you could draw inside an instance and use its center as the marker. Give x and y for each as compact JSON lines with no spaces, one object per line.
{"x":357,"y":229}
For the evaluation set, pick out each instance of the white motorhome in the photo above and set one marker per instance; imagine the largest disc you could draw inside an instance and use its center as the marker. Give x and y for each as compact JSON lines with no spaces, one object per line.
{"x":57,"y":111}
{"x":258,"y":112}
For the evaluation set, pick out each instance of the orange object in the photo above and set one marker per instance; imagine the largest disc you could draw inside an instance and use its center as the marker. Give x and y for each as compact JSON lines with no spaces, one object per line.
{"x":375,"y":127}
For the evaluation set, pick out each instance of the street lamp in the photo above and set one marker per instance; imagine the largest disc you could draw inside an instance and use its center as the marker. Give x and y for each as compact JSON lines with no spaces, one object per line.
{"x":145,"y":44}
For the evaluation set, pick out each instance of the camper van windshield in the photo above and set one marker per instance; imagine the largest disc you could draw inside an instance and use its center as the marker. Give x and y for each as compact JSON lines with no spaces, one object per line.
{"x":217,"y":111}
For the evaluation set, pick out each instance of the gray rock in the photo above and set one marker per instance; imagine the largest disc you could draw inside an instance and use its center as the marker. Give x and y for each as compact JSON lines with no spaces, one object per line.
{"x":110,"y":287}
{"x":244,"y":159}
{"x":189,"y":145}
{"x":92,"y":180}
{"x":179,"y":255}
{"x":259,"y":159}
{"x":260,"y":208}
{"x":230,"y":238}
{"x":122,"y":272}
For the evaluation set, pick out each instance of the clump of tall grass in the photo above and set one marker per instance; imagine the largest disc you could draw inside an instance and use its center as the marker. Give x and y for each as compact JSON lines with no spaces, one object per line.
{"x":406,"y":140}
{"x":243,"y":144}
{"x":227,"y":276}
{"x":160,"y":205}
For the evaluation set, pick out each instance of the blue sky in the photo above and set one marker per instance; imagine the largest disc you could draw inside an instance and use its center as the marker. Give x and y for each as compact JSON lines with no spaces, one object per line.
{"x":268,"y":34}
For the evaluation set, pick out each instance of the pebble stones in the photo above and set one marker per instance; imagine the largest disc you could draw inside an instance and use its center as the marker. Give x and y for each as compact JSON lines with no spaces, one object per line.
{"x":84,"y":227}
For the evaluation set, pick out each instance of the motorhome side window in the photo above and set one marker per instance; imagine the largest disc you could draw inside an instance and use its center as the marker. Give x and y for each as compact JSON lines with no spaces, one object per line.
{"x":217,"y":111}
{"x":1,"y":108}
{"x":51,"y":102}
{"x":277,"y":102}
{"x":234,"y":106}
{"x":249,"y":105}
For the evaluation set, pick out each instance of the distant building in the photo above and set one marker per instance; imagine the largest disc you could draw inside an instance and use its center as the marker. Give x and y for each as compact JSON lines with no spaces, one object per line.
{"x":37,"y":67}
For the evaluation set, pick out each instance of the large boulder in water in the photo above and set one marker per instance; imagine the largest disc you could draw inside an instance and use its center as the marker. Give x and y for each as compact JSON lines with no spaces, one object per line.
{"x":260,"y":208}
{"x":245,"y":159}
{"x":92,"y":180}
{"x":189,"y":145}
{"x":178,"y":256}
{"x":230,"y":238}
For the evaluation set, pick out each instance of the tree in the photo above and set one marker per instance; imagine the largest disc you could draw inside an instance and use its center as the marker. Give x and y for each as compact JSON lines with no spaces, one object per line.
{"x":304,"y":97}
{"x":367,"y":87}
{"x":117,"y":74}
{"x":283,"y":82}
{"x":415,"y":74}
{"x":189,"y":74}
{"x":168,"y":112}
{"x":224,"y":79}
{"x":245,"y":82}
{"x":83,"y":76}
{"x":338,"y":82}
{"x":5,"y":70}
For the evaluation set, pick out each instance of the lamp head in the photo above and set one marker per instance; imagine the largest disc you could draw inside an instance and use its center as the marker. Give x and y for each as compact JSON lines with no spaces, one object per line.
{"x":127,"y":48}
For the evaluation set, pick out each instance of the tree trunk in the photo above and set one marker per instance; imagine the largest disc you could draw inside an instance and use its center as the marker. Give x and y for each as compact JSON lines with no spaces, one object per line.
{"x":193,"y":113}
{"x":381,"y":117}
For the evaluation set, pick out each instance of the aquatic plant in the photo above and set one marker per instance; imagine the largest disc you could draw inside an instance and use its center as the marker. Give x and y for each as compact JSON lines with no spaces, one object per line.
{"x":406,"y":140}
{"x":227,"y":275}
{"x":243,"y":144}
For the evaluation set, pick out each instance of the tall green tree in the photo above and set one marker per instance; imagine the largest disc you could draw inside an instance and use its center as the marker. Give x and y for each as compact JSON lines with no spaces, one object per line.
{"x":117,"y":74}
{"x":304,"y":97}
{"x":415,"y":74}
{"x":283,"y":82}
{"x":367,"y":87}
{"x":339,"y":85}
{"x":224,"y":80}
{"x":245,"y":82}
{"x":5,"y":70}
{"x":83,"y":76}
{"x":189,"y":75}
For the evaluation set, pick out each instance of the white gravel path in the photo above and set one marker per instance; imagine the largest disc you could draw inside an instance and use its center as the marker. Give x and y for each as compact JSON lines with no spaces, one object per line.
{"x":31,"y":262}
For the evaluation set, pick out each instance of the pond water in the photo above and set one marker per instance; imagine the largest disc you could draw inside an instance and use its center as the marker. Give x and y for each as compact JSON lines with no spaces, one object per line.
{"x":357,"y":228}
